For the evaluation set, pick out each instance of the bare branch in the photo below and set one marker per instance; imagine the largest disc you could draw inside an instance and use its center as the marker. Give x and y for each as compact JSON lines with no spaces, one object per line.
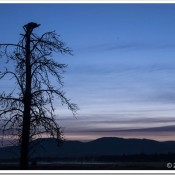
{"x":15,"y":45}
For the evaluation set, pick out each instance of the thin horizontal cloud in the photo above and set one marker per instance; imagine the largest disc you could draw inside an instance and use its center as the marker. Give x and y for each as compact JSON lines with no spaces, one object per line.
{"x":126,"y":46}
{"x":142,"y":46}
{"x":165,"y":97}
{"x":170,"y":128}
{"x":116,"y":69}
{"x":136,"y":120}
{"x":117,"y":124}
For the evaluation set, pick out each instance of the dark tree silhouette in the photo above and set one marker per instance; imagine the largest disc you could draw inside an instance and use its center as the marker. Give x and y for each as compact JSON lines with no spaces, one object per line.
{"x":28,"y":112}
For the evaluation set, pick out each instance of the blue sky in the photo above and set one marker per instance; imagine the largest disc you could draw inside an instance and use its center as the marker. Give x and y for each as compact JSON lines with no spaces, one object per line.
{"x":122,"y":71}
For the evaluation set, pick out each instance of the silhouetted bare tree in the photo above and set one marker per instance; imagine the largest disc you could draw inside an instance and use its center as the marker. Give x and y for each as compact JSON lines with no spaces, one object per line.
{"x":28,"y":111}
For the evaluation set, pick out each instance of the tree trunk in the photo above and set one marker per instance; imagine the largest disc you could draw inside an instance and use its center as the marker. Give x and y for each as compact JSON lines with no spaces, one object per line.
{"x":27,"y":106}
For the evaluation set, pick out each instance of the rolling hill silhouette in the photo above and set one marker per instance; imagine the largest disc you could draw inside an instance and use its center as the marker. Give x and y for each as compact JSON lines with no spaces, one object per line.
{"x":49,"y":148}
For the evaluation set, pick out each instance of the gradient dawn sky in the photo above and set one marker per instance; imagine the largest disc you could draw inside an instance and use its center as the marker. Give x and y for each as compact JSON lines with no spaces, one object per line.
{"x":122,"y":74}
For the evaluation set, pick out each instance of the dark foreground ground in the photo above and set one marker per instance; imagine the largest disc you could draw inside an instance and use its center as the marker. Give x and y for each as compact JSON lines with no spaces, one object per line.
{"x":91,"y":166}
{"x":112,"y":162}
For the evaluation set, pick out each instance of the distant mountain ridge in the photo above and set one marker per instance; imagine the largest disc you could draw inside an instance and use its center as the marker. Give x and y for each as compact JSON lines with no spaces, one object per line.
{"x":49,"y":148}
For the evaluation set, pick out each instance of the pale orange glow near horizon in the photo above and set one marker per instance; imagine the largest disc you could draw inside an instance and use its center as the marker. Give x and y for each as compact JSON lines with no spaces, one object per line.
{"x":168,"y":136}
